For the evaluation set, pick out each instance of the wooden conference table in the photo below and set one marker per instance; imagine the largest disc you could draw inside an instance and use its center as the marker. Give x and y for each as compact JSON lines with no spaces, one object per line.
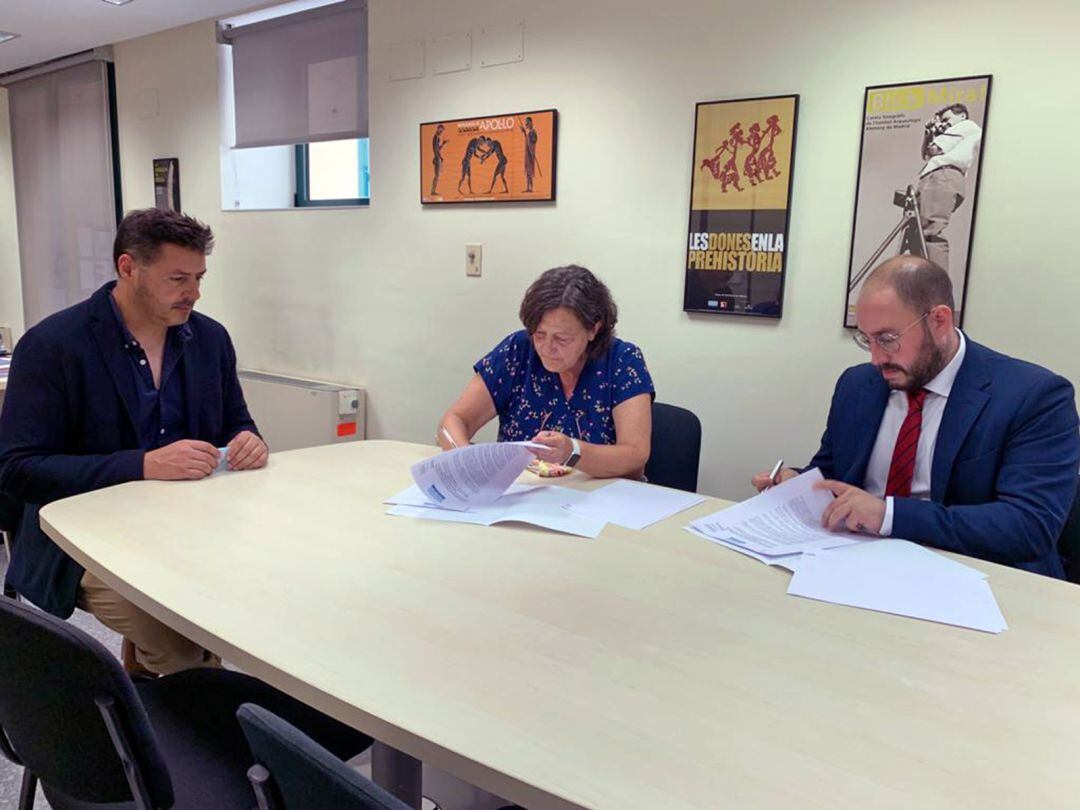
{"x":644,"y":669}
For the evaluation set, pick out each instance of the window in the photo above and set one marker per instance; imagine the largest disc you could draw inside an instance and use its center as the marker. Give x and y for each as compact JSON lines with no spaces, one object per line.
{"x":332,"y":173}
{"x":294,"y":110}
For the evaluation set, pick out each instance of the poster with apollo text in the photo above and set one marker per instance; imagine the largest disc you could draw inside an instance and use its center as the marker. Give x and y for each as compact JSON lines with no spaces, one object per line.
{"x":919,"y":166}
{"x":740,"y":198}
{"x":500,"y":158}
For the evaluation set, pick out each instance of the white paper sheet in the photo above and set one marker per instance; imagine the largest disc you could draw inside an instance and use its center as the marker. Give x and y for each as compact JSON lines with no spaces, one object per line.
{"x":634,"y":504}
{"x":783,"y":520}
{"x":412,"y":496}
{"x":471,"y":476}
{"x":538,"y":506}
{"x":899,"y":577}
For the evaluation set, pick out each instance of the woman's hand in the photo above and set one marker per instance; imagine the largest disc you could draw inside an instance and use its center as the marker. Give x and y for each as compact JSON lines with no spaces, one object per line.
{"x":558,"y":444}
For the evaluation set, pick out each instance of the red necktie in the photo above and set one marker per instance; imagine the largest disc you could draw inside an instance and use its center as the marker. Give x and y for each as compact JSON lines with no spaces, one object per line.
{"x":902,"y":469}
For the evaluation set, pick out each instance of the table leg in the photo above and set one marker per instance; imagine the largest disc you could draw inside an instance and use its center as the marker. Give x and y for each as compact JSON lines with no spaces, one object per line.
{"x":398,"y":773}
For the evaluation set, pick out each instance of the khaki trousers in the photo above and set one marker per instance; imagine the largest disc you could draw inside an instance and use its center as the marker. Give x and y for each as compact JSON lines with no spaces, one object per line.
{"x":158,"y":648}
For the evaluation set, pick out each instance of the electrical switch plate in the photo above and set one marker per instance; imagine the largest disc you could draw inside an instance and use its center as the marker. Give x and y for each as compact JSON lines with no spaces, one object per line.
{"x":474,"y":259}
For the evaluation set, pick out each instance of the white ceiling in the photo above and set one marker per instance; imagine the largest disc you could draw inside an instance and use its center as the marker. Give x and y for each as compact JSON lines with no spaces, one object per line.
{"x":51,"y":28}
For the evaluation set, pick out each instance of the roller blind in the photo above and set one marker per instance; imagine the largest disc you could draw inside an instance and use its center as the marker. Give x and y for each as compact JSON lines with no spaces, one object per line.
{"x":62,"y":158}
{"x":301,"y":77}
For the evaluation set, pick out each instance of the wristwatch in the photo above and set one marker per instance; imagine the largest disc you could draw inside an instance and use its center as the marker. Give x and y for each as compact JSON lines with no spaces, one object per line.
{"x":575,"y":454}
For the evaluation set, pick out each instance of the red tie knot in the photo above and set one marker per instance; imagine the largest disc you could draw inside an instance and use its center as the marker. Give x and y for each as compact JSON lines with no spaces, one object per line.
{"x":915,"y":400}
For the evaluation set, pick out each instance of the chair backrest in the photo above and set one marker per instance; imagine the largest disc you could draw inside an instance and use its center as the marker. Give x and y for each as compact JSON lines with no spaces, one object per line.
{"x":1069,"y":541}
{"x":304,"y":775}
{"x":676,"y":448}
{"x":51,"y":676}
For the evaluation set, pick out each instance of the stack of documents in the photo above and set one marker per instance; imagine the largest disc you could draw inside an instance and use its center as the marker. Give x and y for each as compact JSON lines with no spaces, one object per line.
{"x":778,"y":525}
{"x":537,"y":505}
{"x":474,"y":484}
{"x":782,"y":527}
{"x":896,"y":576}
{"x":474,"y":475}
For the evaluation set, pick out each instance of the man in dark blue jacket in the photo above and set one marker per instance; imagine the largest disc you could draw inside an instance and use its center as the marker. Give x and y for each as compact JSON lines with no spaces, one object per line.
{"x":127,"y":385}
{"x":942,"y":441}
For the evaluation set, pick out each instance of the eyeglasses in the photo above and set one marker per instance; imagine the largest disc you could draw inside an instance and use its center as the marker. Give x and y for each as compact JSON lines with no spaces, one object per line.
{"x":888,"y":341}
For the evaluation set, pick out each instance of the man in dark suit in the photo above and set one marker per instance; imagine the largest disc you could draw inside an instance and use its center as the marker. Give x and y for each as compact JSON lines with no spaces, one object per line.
{"x":127,"y":385}
{"x":942,"y":441}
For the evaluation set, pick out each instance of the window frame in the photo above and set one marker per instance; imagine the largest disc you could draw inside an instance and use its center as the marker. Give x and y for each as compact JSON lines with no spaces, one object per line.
{"x":302,"y":196}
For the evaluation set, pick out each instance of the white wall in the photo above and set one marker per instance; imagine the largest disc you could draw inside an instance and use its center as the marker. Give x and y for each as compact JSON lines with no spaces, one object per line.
{"x":11,"y":304}
{"x":379,"y":297}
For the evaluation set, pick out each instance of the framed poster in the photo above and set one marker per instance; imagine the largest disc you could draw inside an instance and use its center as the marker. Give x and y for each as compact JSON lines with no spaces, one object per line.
{"x":501,"y":158}
{"x":918,"y":180}
{"x":167,"y":183}
{"x":740,"y":196}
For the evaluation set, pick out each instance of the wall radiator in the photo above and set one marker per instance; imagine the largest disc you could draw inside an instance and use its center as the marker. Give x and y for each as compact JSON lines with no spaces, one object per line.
{"x":293,"y":413}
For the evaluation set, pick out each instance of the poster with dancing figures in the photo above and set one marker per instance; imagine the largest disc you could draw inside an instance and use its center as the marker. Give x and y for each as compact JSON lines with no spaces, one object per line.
{"x":918,"y":178}
{"x":740,"y":196}
{"x":500,"y":158}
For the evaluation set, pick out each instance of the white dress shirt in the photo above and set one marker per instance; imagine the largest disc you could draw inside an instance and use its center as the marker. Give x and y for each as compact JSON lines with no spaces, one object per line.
{"x":957,"y":144}
{"x":877,"y":471}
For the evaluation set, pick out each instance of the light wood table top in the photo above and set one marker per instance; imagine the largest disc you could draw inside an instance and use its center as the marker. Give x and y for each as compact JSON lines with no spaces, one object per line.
{"x":644,"y":669}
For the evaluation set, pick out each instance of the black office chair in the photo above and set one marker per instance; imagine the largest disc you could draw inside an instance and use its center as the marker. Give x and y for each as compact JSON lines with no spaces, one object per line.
{"x":75,"y":721}
{"x":10,"y":514}
{"x":676,"y":448}
{"x":293,"y":772}
{"x":1069,"y":541}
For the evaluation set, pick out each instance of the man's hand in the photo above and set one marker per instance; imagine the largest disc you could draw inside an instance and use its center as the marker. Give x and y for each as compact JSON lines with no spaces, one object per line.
{"x":853,"y":508}
{"x":247,"y":451}
{"x":762,"y":480}
{"x":187,"y":459}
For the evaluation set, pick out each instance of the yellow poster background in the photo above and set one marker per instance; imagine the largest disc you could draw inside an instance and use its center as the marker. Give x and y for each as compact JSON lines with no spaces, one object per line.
{"x":714,"y":132}
{"x":507,"y":130}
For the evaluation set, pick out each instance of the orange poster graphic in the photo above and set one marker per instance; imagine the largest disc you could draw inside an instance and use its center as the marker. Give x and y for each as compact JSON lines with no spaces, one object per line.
{"x":501,"y":158}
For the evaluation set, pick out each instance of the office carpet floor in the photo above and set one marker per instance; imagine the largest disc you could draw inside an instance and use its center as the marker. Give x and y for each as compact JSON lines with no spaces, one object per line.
{"x":447,"y":792}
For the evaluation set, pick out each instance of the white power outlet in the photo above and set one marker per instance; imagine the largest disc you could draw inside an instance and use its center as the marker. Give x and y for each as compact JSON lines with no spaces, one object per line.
{"x":474,"y":259}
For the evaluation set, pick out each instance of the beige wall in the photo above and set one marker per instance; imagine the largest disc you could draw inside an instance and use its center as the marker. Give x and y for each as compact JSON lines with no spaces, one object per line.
{"x":379,"y":297}
{"x":11,"y":306}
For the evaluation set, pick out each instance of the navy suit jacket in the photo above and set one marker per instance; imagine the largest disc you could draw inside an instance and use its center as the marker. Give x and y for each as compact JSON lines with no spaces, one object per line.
{"x":1004,"y":471}
{"x":68,"y":425}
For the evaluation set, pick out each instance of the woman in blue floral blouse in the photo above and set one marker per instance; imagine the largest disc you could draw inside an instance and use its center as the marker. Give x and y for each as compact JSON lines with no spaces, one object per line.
{"x":564,"y":381}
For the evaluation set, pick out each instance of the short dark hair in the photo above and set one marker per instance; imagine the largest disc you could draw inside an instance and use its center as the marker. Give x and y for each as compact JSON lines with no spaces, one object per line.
{"x":920,"y":284}
{"x":142,"y":233}
{"x":959,"y":109}
{"x":579,"y":291}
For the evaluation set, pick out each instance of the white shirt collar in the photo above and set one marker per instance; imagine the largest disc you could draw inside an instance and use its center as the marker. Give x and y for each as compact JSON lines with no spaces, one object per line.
{"x":942,"y":384}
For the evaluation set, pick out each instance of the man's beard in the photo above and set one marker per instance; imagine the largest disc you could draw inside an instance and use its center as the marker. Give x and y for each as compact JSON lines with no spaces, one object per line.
{"x":151,"y":305}
{"x":927,"y":366}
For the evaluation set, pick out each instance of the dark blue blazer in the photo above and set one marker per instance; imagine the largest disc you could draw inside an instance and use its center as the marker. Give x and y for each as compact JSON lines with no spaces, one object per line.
{"x":1005,"y":465}
{"x":68,"y":425}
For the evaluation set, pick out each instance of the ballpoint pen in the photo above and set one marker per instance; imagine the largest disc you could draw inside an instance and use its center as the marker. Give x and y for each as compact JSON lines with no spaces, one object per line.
{"x":449,"y":438}
{"x":775,"y":472}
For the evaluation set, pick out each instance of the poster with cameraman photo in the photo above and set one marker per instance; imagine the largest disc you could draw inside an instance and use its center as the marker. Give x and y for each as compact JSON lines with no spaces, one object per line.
{"x":919,"y":163}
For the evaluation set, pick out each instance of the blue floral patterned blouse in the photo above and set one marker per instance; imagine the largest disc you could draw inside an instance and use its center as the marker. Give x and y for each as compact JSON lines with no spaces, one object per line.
{"x":529,"y":398}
